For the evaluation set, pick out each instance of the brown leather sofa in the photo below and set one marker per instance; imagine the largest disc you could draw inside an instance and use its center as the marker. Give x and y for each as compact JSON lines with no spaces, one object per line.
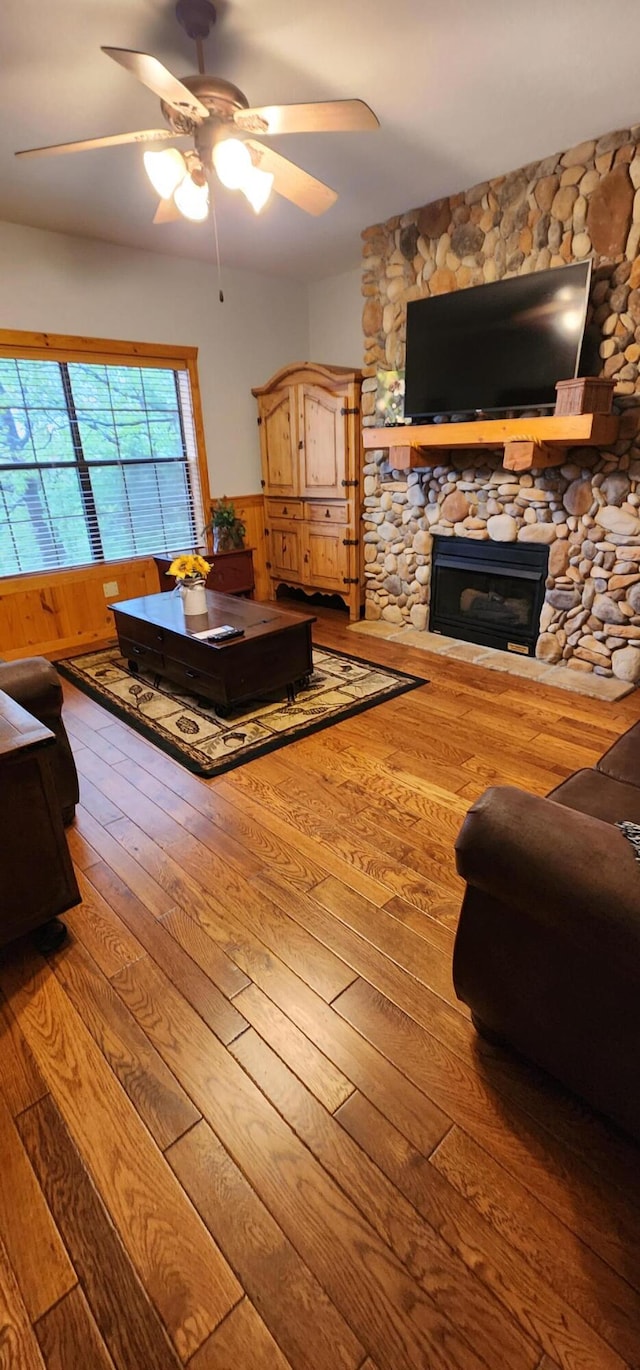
{"x":37,"y":879}
{"x":35,"y":684}
{"x":547,"y":952}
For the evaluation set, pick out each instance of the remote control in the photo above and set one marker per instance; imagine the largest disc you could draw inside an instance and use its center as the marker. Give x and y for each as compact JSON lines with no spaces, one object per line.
{"x":224,"y":634}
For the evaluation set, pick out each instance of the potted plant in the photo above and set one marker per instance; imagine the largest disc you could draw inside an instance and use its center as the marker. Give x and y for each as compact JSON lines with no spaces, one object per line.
{"x":228,"y":531}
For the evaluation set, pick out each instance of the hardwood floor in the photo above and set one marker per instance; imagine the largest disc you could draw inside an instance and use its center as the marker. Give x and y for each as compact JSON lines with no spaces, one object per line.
{"x":245,"y":1123}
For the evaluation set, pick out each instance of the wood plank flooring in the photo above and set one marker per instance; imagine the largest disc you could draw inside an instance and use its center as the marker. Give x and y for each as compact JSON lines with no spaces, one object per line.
{"x":245,"y":1123}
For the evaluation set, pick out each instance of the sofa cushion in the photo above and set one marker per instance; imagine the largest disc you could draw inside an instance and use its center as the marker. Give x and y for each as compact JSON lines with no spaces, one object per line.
{"x":622,"y":761}
{"x":599,"y":795}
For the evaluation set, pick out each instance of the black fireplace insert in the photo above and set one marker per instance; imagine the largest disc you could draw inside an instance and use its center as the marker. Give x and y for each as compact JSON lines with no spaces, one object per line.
{"x":488,"y":592}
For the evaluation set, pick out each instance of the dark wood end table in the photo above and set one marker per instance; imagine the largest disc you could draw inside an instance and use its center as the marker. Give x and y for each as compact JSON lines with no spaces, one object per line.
{"x":231,"y":572}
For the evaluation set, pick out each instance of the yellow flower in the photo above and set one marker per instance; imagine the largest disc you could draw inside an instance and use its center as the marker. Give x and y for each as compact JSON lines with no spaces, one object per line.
{"x":190,"y":566}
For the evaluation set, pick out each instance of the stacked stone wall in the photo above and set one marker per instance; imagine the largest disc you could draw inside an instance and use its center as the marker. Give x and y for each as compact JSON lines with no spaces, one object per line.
{"x":573,"y":205}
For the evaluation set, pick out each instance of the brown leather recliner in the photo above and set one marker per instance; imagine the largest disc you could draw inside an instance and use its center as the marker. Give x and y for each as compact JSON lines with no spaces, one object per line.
{"x":35,"y":684}
{"x":547,"y":952}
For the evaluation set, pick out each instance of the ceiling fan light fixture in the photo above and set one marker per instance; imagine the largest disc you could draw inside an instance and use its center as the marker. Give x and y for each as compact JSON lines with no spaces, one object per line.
{"x":165,"y":170}
{"x":257,"y":187}
{"x":192,"y":200}
{"x":232,"y":161}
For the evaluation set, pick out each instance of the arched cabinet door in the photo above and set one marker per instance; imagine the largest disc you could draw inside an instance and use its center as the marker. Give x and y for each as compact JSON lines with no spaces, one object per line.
{"x":278,"y":442}
{"x":322,"y":442}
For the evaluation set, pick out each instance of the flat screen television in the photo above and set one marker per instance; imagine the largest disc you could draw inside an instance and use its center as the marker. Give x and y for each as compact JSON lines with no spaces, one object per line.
{"x":495,"y":347}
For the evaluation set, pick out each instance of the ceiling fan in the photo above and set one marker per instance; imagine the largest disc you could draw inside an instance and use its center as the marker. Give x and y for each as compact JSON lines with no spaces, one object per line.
{"x":217,"y":117}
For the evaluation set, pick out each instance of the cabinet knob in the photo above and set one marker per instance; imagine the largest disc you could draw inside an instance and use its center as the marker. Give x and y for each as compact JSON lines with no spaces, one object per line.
{"x":285,"y":510}
{"x":300,"y":445}
{"x":327,"y":513}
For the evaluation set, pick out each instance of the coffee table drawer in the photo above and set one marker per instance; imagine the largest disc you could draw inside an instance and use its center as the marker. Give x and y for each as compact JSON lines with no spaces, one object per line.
{"x":191,"y":653}
{"x":140,"y":631}
{"x":146,"y":657}
{"x":190,"y":678}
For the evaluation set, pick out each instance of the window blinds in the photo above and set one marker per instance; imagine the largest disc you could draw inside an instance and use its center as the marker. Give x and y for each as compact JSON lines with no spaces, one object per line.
{"x":98,"y":462}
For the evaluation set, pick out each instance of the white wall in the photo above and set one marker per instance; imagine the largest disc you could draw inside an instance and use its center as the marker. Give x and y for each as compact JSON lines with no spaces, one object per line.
{"x":53,"y":283}
{"x":335,"y":319}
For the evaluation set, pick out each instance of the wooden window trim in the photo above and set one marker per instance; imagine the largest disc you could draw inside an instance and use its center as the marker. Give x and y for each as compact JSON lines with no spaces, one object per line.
{"x":19,"y":343}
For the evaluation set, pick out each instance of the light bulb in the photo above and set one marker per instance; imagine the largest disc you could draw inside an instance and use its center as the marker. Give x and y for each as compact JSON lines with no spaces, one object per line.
{"x":257,"y":187}
{"x":232,"y":161}
{"x":192,"y":200}
{"x":165,"y":170}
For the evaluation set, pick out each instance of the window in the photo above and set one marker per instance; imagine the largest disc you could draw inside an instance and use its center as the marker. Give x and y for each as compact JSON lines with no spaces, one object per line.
{"x":98,"y":459}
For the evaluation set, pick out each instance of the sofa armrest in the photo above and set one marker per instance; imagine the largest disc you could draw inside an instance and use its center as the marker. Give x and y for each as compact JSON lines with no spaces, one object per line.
{"x":562,"y":868}
{"x":35,"y":684}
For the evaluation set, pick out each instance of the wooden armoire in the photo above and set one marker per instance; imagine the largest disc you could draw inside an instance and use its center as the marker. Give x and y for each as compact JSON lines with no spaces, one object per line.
{"x":309,"y":417}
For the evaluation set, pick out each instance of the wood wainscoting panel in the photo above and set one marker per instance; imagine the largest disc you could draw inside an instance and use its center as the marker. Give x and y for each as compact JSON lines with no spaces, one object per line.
{"x":250,"y":509}
{"x":57,"y":613}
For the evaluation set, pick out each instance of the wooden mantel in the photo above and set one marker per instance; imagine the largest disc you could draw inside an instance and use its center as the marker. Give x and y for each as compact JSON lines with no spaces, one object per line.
{"x":527,"y":443}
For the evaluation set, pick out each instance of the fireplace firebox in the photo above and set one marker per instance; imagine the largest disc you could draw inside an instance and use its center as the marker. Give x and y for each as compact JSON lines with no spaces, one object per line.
{"x":488,"y":592}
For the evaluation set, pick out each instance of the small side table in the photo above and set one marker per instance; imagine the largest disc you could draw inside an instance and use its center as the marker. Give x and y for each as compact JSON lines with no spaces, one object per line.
{"x":231,"y":572}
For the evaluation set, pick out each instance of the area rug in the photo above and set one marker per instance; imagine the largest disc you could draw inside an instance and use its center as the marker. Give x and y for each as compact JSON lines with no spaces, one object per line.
{"x":191,"y":731}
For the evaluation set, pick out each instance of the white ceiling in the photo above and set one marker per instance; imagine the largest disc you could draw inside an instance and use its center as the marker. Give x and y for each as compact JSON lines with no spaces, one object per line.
{"x":464,"y":89}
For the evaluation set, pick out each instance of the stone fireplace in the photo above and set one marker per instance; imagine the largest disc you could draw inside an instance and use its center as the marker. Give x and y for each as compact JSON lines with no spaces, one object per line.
{"x":585,"y":513}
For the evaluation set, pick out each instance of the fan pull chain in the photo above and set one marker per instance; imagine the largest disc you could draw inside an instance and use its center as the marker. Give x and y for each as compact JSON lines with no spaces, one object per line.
{"x":215,"y":230}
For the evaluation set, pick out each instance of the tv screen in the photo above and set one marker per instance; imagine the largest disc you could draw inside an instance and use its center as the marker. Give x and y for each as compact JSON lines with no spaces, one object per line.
{"x":499,"y":346}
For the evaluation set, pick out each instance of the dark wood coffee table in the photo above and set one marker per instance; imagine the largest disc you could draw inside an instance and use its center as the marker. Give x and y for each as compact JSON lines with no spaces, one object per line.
{"x":275,"y":652}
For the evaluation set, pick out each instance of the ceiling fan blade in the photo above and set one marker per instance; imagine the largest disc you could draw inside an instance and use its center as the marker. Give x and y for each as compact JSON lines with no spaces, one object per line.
{"x":291,"y":181}
{"x":331,"y":116}
{"x":148,"y":135}
{"x":160,"y":80}
{"x":166,"y":212}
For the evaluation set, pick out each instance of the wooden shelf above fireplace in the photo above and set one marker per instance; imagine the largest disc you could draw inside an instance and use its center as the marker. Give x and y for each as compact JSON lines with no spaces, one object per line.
{"x":527,"y":443}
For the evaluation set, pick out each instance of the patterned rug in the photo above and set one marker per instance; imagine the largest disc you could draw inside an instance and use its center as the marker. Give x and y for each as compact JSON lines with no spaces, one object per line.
{"x":190,"y":730}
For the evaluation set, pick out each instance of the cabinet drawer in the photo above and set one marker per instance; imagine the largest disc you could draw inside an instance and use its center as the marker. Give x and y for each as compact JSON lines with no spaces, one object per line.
{"x":284,"y":508}
{"x":146,"y":658}
{"x":330,"y":511}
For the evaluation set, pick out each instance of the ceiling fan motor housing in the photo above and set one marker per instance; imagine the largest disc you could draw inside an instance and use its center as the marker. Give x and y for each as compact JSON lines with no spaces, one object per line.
{"x":220,"y":97}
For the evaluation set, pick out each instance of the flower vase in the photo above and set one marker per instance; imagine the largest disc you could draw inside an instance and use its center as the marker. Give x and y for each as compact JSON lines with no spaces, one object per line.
{"x":194,"y":599}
